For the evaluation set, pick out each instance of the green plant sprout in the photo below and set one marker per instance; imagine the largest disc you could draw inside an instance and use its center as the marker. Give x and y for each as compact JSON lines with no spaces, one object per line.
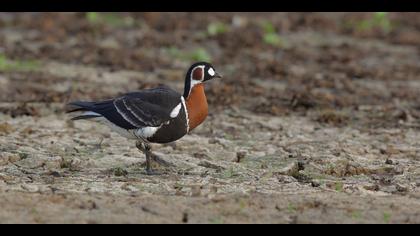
{"x":92,"y":17}
{"x":198,"y":54}
{"x":379,"y":20}
{"x":356,"y":214}
{"x":339,"y":187}
{"x":271,"y":36}
{"x":216,"y":28}
{"x":111,"y":19}
{"x":17,"y":65}
{"x":291,"y":208}
{"x":387,"y":217}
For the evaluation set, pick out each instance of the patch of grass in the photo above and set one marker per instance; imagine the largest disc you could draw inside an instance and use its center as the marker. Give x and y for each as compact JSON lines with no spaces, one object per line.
{"x":243,"y":204}
{"x":291,"y":208}
{"x":271,"y":36}
{"x":92,"y":17}
{"x":229,"y":173}
{"x":387,"y":217}
{"x":23,"y":156}
{"x":217,"y":220}
{"x":378,"y":20}
{"x":216,"y":28}
{"x":228,"y":136}
{"x":339,"y":187}
{"x":17,"y":65}
{"x":112,"y":19}
{"x":356,"y":214}
{"x":198,"y":54}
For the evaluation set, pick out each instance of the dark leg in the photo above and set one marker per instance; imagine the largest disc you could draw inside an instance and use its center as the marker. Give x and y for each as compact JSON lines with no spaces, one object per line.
{"x":146,"y":149}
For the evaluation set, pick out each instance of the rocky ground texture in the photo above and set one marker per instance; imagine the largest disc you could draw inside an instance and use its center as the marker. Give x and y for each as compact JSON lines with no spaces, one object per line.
{"x":316,"y":119}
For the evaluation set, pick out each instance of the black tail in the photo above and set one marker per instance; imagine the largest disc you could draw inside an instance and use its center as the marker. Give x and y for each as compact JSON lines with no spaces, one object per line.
{"x":84,"y":117}
{"x":79,"y":106}
{"x":82,"y":107}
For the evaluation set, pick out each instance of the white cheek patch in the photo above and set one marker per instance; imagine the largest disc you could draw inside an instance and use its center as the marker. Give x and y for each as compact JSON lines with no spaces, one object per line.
{"x":211,"y":72}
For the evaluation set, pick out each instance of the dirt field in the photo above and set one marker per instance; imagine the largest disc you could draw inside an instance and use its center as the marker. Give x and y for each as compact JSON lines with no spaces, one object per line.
{"x":315,"y":121}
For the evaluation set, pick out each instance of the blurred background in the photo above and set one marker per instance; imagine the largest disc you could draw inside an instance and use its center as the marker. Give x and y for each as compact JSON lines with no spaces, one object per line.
{"x":274,"y":63}
{"x":315,"y":120}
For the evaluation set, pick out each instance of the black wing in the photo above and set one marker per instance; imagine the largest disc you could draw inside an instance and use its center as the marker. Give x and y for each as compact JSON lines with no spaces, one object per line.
{"x":150,"y":107}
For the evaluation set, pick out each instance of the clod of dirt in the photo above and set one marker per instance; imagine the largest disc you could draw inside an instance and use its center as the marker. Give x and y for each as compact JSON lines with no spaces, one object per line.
{"x":55,"y":174}
{"x":292,"y":169}
{"x":346,"y":168}
{"x":371,"y":187}
{"x":118,"y":171}
{"x":5,"y":128}
{"x":4,"y":160}
{"x":210,"y":165}
{"x":315,"y":183}
{"x":332,"y":117}
{"x":201,"y":155}
{"x":195,"y":191}
{"x":185,"y":217}
{"x":389,"y":162}
{"x":240,"y":156}
{"x":21,"y":110}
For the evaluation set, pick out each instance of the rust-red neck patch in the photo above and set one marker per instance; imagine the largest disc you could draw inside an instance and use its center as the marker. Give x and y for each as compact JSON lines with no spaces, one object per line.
{"x":197,"y":73}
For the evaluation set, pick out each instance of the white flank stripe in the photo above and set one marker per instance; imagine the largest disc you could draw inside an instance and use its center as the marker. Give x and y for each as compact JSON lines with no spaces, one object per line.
{"x":124,"y":116}
{"x":134,"y":114}
{"x":176,"y":110}
{"x":147,"y":132}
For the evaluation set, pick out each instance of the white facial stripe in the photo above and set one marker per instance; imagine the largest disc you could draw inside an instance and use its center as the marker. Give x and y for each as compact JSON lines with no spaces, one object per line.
{"x":202,"y":76}
{"x":211,"y":72}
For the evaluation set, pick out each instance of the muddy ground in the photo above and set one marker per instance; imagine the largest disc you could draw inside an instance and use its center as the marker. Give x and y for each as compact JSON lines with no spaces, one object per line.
{"x":315,"y":121}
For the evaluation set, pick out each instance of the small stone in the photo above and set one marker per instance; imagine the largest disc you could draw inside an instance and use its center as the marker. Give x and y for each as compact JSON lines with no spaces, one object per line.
{"x":292,"y":169}
{"x":200,"y":155}
{"x":30,"y":188}
{"x":55,"y":174}
{"x":196,"y":191}
{"x":315,"y":183}
{"x":4,"y":160}
{"x":6,"y":178}
{"x":210,"y":165}
{"x":401,"y":188}
{"x":13,"y":157}
{"x":389,"y":162}
{"x":373,"y":187}
{"x":53,"y":162}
